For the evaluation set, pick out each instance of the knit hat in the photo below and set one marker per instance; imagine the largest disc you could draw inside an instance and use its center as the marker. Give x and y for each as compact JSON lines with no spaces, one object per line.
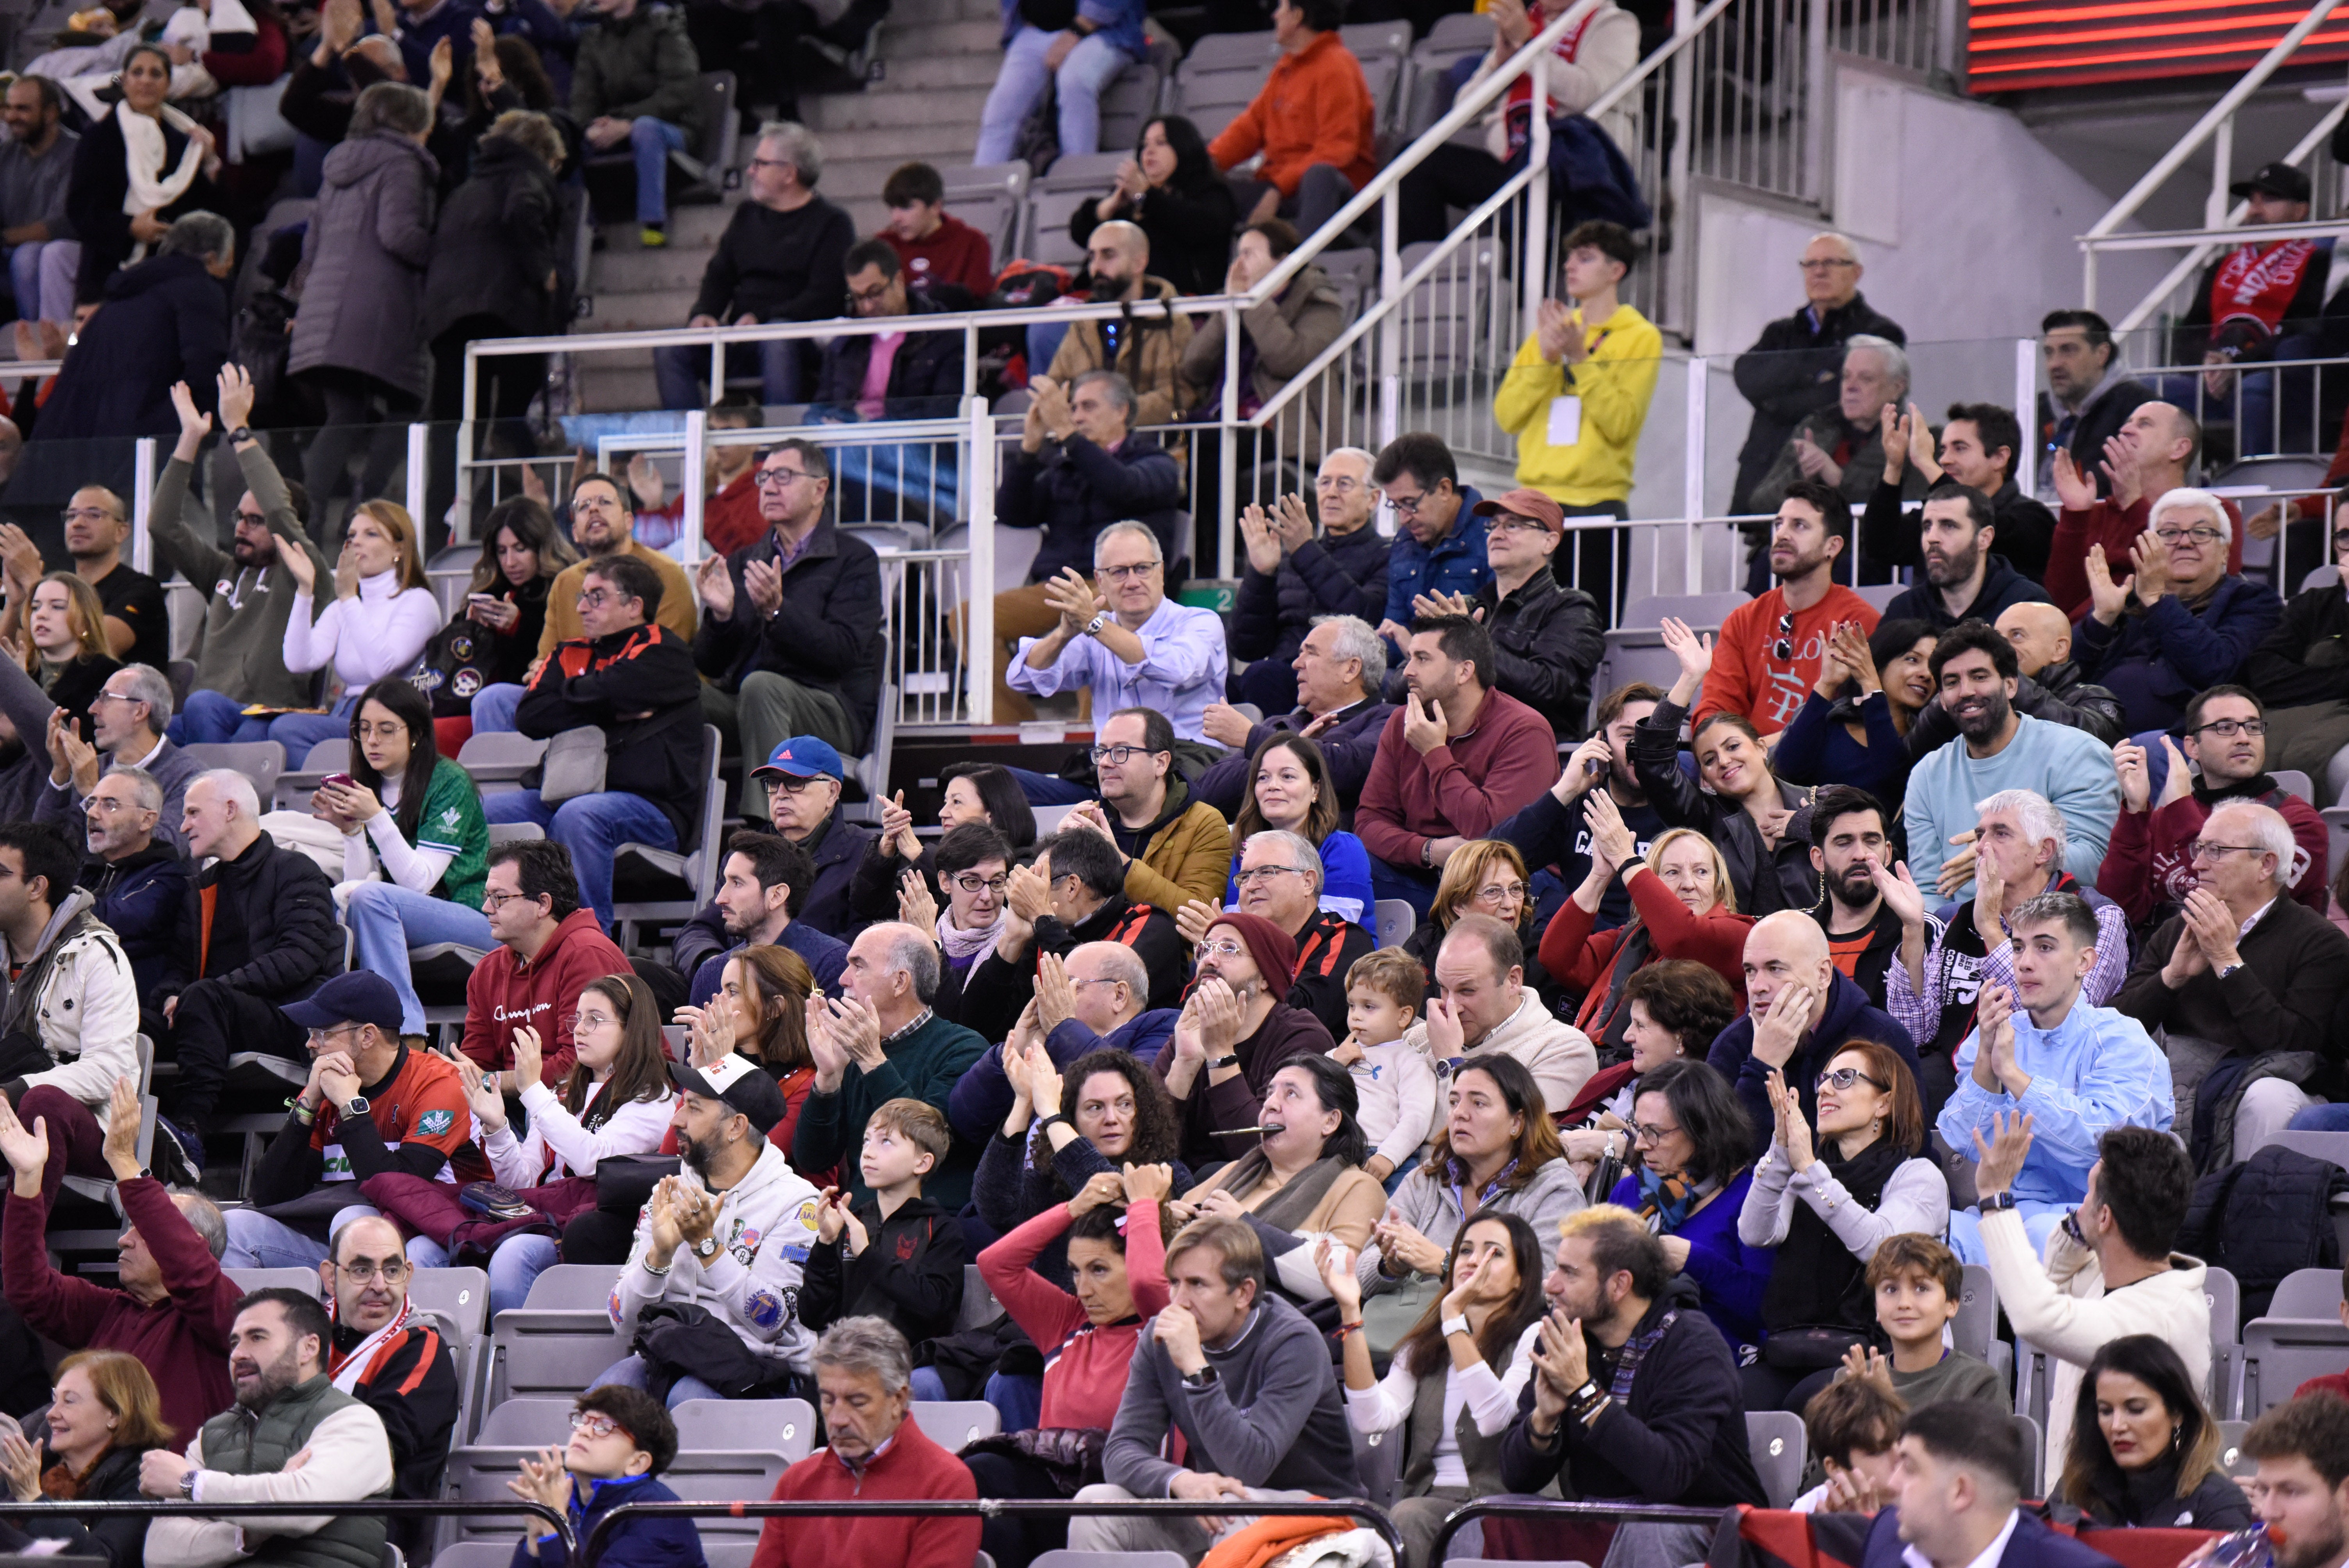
{"x":1273,"y":949}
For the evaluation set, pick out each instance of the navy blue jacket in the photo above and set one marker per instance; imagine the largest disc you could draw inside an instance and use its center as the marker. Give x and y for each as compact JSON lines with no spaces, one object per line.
{"x":2032,"y":1545}
{"x":1347,"y":746}
{"x":1072,"y":490}
{"x":2156,"y":661}
{"x":148,"y":901}
{"x":1849,"y":1016}
{"x":635,"y":1543}
{"x":982,"y":1096}
{"x":165,"y":320}
{"x":1454,"y":563}
{"x":826,"y":957}
{"x":1326,"y":575}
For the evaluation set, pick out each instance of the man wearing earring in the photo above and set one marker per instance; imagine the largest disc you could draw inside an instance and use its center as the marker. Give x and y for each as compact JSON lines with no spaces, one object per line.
{"x":388,"y":1355}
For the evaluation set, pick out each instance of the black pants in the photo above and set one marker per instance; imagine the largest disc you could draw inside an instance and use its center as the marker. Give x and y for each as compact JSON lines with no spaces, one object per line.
{"x":1601,"y":561}
{"x":1014,"y":1540}
{"x":762,"y":45}
{"x":1771,"y":1388}
{"x":506,"y":385}
{"x":213,"y":1020}
{"x":1450,"y":176}
{"x":355,"y":402}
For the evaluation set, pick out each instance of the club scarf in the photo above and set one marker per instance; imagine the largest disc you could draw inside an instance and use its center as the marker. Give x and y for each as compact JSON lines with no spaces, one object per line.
{"x":1520,"y":98}
{"x":2258,"y":283}
{"x":349,"y":1371}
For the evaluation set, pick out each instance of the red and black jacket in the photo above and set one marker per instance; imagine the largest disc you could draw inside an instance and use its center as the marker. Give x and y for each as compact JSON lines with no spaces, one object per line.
{"x":910,"y":1272}
{"x":640,"y":688}
{"x":1326,"y":949}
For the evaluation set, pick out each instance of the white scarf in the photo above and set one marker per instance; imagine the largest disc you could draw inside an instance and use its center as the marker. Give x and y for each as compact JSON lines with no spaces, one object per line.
{"x":150,"y":189}
{"x":357,"y":1365}
{"x":962,"y":944}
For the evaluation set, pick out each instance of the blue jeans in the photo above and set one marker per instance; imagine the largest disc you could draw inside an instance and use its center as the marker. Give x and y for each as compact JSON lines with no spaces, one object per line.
{"x":1409,"y":883}
{"x":257,"y":1241}
{"x":518,"y":1260}
{"x":927,"y":1385}
{"x":1082,"y":79}
{"x":386,"y":920}
{"x":590,"y":827}
{"x":2038,"y":1220}
{"x":1018,"y":1399}
{"x":1045,"y":789}
{"x":2322,"y":1119}
{"x":297,"y":732}
{"x":493,"y":707}
{"x":630,"y":1372}
{"x":652,"y":140}
{"x":215,"y":718}
{"x":678,"y":371}
{"x":1043,"y":342}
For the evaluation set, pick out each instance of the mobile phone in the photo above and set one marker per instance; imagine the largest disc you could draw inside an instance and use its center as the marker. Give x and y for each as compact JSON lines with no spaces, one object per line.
{"x":1595,"y":767}
{"x":339,"y":782}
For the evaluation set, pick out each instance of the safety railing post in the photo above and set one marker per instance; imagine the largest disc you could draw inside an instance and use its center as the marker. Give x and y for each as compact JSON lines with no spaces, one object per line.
{"x":1390,"y":324}
{"x":697,"y":448}
{"x":2026,"y":403}
{"x":978,"y":639}
{"x":1227,"y":457}
{"x":420,"y":472}
{"x":142,"y":480}
{"x":1692,"y":436}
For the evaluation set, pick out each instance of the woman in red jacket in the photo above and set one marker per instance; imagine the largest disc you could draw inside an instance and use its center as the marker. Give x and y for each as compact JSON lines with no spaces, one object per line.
{"x":1088,"y":1338}
{"x":1683,"y":907}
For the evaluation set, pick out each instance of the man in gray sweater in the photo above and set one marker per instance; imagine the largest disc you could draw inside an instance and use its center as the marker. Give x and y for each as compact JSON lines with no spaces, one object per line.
{"x":1248,"y":1382}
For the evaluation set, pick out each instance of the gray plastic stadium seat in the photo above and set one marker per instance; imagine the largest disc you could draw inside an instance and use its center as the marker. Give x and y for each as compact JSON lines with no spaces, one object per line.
{"x":249,"y":1280}
{"x":550,"y":1354}
{"x":990,"y":198}
{"x":2224,"y":1296}
{"x":1130,"y":100}
{"x":495,"y":758}
{"x":1232,"y":51}
{"x":259,"y":760}
{"x":577,"y":1288}
{"x":529,"y":1424}
{"x":1052,"y":198}
{"x":2230,"y":1451}
{"x":2034,"y":1444}
{"x":2300,"y":1337}
{"x":728,"y":1553}
{"x":1396,"y":921}
{"x":513,"y":832}
{"x":1774,"y":1438}
{"x":1977,"y":1320}
{"x":951,"y":1423}
{"x":460,"y":1295}
{"x":979,"y":1306}
{"x":785,"y":1426}
{"x":475,"y":1554}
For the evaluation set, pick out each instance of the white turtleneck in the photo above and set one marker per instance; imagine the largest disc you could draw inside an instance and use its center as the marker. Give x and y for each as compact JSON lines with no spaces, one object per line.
{"x":381,"y":632}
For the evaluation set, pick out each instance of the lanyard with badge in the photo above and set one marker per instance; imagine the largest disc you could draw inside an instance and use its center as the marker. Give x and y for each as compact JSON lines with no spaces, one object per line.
{"x":1566,"y":410}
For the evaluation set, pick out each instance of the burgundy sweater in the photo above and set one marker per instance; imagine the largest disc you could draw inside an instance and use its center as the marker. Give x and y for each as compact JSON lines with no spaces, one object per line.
{"x":182,"y":1339}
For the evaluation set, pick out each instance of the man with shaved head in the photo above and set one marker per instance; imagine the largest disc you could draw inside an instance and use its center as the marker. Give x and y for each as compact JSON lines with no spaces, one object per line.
{"x":1800,"y":1011}
{"x":2247,"y":980}
{"x":387,"y":1355}
{"x":1146,"y":346}
{"x":2155,"y":450}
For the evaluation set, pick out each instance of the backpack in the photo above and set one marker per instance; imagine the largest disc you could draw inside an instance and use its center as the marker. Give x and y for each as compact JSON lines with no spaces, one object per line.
{"x":2264,"y":1218}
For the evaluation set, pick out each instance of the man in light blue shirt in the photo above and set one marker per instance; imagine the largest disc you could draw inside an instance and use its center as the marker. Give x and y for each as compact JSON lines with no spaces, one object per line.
{"x":2075,"y":1070}
{"x":1134,"y":648}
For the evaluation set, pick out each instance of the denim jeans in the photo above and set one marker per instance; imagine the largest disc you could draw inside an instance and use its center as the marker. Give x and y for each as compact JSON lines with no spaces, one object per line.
{"x":590,"y":827}
{"x":257,"y":1241}
{"x":780,"y":366}
{"x":297,"y":732}
{"x":632,"y":1373}
{"x":386,"y":920}
{"x":1043,"y":342}
{"x":215,"y":718}
{"x":652,"y":140}
{"x":1045,"y":789}
{"x":518,"y":1260}
{"x":1082,"y":77}
{"x":2322,"y":1119}
{"x":493,"y":707}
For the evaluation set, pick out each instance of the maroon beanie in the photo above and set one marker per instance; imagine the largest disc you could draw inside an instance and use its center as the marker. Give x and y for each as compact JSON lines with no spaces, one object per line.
{"x":1273,"y":949}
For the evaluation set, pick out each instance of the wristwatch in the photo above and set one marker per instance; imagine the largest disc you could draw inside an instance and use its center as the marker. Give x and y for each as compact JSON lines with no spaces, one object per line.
{"x":1204,"y":1377}
{"x":1452,"y":1325}
{"x":355,"y":1105}
{"x":705,"y":1248}
{"x":1232,"y":1060}
{"x":2223,"y":970}
{"x":1998,"y":1202}
{"x":188,"y":1483}
{"x":241,"y":435}
{"x":1094,"y":626}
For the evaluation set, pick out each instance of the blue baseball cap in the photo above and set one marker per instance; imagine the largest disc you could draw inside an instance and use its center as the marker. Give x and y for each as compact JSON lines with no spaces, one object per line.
{"x":357,"y":997}
{"x":803,"y":756}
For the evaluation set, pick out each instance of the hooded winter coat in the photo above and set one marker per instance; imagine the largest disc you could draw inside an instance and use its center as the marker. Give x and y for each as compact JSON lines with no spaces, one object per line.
{"x":369,"y":240}
{"x":495,"y":245}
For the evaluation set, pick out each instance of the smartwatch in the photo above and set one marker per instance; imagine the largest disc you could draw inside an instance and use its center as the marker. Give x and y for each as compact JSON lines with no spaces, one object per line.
{"x":1452,"y":1325}
{"x":355,"y":1105}
{"x":1997,"y":1203}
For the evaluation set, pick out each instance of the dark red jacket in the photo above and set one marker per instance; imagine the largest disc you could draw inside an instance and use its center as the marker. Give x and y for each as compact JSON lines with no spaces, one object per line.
{"x":182,"y":1339}
{"x":543,"y":993}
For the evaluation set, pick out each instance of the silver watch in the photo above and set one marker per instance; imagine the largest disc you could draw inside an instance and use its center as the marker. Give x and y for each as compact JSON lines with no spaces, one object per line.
{"x":355,"y":1105}
{"x":1094,"y":626}
{"x":705,"y":1248}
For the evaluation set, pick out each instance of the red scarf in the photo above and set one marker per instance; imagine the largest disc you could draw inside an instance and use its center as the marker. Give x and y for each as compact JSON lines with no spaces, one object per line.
{"x":2258,"y":283}
{"x":1521,"y":91}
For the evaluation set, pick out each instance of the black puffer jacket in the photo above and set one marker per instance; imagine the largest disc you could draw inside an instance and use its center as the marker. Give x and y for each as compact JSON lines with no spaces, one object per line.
{"x":1329,"y":574}
{"x":644,"y":669}
{"x":272,"y":932}
{"x":827,"y":633}
{"x":925,"y":378}
{"x":1767,"y":880}
{"x":494,"y":247}
{"x":1546,"y":640}
{"x":2264,"y":1218}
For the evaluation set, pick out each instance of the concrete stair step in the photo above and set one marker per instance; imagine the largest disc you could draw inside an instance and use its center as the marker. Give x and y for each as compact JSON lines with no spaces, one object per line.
{"x":606,"y":386}
{"x":639,"y":310}
{"x":976,"y":36}
{"x":925,"y":72}
{"x":931,"y":111}
{"x":909,"y":20}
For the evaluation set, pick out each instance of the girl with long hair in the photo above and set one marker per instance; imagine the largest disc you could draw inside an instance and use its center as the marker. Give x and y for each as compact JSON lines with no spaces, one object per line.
{"x":2144,"y":1451}
{"x":1170,"y":188}
{"x":1469,"y":1353}
{"x":382,"y":617}
{"x":761,"y":1012}
{"x":494,"y":640}
{"x":1292,"y":791}
{"x":616,"y":1100}
{"x":415,"y":815}
{"x":1853,"y":727}
{"x":65,"y":649}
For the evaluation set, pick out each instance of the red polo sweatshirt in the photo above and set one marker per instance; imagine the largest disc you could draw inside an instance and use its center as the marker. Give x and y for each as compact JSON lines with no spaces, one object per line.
{"x":181,"y":1339}
{"x":911,"y":1465}
{"x":507,"y":989}
{"x":1508,"y":756}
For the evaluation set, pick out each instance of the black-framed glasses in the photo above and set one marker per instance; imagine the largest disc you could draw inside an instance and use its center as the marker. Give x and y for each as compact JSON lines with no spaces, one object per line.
{"x":1406,"y":505}
{"x":2228,"y":728}
{"x":258,"y":519}
{"x":780,"y":479}
{"x":1647,"y":1132}
{"x":1134,"y":573}
{"x":2198,"y":535}
{"x":973,"y":883}
{"x":1843,"y":1077}
{"x":2203,"y":850}
{"x":1119,"y":755}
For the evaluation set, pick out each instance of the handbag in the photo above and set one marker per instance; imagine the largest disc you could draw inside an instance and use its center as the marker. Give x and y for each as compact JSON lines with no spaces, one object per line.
{"x":573,"y":765}
{"x":679,"y":1339}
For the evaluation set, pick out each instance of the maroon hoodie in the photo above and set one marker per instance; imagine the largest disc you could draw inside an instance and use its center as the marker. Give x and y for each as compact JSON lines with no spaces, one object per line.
{"x":543,"y":993}
{"x":182,"y":1339}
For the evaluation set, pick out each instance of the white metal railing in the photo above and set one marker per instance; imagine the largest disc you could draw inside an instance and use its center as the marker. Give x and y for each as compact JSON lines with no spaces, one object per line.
{"x":2222,"y":216}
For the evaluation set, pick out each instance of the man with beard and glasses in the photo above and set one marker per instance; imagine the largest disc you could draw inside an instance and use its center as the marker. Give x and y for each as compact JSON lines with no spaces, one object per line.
{"x":1767,"y":657}
{"x":730,"y":1234}
{"x":1998,"y":748}
{"x":1235,"y":1032}
{"x":1947,"y":957}
{"x":1634,"y":1394}
{"x":2148,"y":868}
{"x":248,"y":590}
{"x":1850,"y":844}
{"x":1964,"y":580}
{"x":286,"y":1410}
{"x":390,"y":1356}
{"x":2302,"y":1491}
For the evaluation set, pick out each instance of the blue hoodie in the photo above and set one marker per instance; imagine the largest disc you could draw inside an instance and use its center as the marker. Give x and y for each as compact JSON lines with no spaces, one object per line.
{"x":1848,"y":1017}
{"x":634,"y":1543}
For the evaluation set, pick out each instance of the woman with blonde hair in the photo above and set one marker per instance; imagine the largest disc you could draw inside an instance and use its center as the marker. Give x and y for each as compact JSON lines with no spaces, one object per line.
{"x":64,"y":646}
{"x":1682,"y":906}
{"x":1483,"y":876}
{"x":107,"y":1414}
{"x":377,"y":625}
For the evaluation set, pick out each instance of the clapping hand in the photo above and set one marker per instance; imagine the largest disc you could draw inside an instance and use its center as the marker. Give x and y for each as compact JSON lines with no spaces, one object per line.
{"x":1399,"y":1243}
{"x":824,"y":1048}
{"x":1792,"y":1133}
{"x":1901,"y":892}
{"x":1561,"y":1359}
{"x":481,"y":1096}
{"x":2075,"y":492}
{"x":915,"y":907}
{"x":26,"y":1149}
{"x":1072,"y":597}
{"x":1219,"y":1015}
{"x":714,"y":581}
{"x":1262,"y":539}
{"x":23,"y":1460}
{"x":528,"y":1056}
{"x":2150,"y":556}
{"x":1554,"y":329}
{"x":2136,"y":784}
{"x":1101,"y":1187}
{"x":1814,"y":461}
{"x":661,"y":1218}
{"x":543,"y":1480}
{"x":1848,"y":644}
{"x":1441,"y":603}
{"x":1866,"y":1361}
{"x":1194,"y":919}
{"x":764,"y":580}
{"x":832,"y":1216}
{"x":1611,"y":836}
{"x":2107,"y":597}
{"x":1055,"y":1000}
{"x":2213,"y":927}
{"x":1854,"y":1491}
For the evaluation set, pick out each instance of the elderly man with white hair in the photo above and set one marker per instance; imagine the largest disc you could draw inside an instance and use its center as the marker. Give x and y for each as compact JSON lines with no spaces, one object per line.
{"x":266,"y":937}
{"x":1335,"y":678}
{"x":1296,"y":574}
{"x":1789,"y":374}
{"x":2171,"y":619}
{"x":1843,"y":445}
{"x":2250,"y":986}
{"x":882,"y":1041}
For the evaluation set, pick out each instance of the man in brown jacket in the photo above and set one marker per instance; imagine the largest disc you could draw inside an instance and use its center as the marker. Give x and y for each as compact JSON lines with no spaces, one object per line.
{"x":1147,"y":344}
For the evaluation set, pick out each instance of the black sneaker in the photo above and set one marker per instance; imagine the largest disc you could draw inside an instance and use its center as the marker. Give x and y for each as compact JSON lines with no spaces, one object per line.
{"x":178,"y":1157}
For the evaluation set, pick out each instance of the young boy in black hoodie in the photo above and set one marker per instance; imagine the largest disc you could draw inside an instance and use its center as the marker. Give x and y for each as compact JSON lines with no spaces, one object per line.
{"x":895,"y":1254}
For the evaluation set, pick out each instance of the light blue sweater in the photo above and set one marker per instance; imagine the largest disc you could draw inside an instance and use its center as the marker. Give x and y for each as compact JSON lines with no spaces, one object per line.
{"x":2070,"y":767}
{"x":2096,"y":1070}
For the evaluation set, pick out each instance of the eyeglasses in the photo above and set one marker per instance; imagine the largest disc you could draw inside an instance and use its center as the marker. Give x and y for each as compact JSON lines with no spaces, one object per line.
{"x":319,"y":1036}
{"x":89,"y":514}
{"x":1643,"y":1132}
{"x":2198,"y":535}
{"x":596,"y":598}
{"x":1227,"y":948}
{"x":493,"y":902}
{"x":2228,"y":728}
{"x":1784,"y":648}
{"x":393,"y":1270}
{"x":1257,"y":873}
{"x":585,"y":1020}
{"x":1076,"y":980}
{"x":873,"y":295}
{"x":391,"y":730}
{"x":595,"y":1423}
{"x":1510,"y":523}
{"x":1826,"y":265}
{"x":1406,"y":505}
{"x":109,"y":805}
{"x":1499,"y":892}
{"x":257,"y":519}
{"x":972,"y":882}
{"x":1843,"y":1077}
{"x":1119,"y":755}
{"x":113,"y":696}
{"x":2202,"y":851}
{"x":791,"y":786}
{"x":780,"y":479}
{"x":1126,"y":573}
